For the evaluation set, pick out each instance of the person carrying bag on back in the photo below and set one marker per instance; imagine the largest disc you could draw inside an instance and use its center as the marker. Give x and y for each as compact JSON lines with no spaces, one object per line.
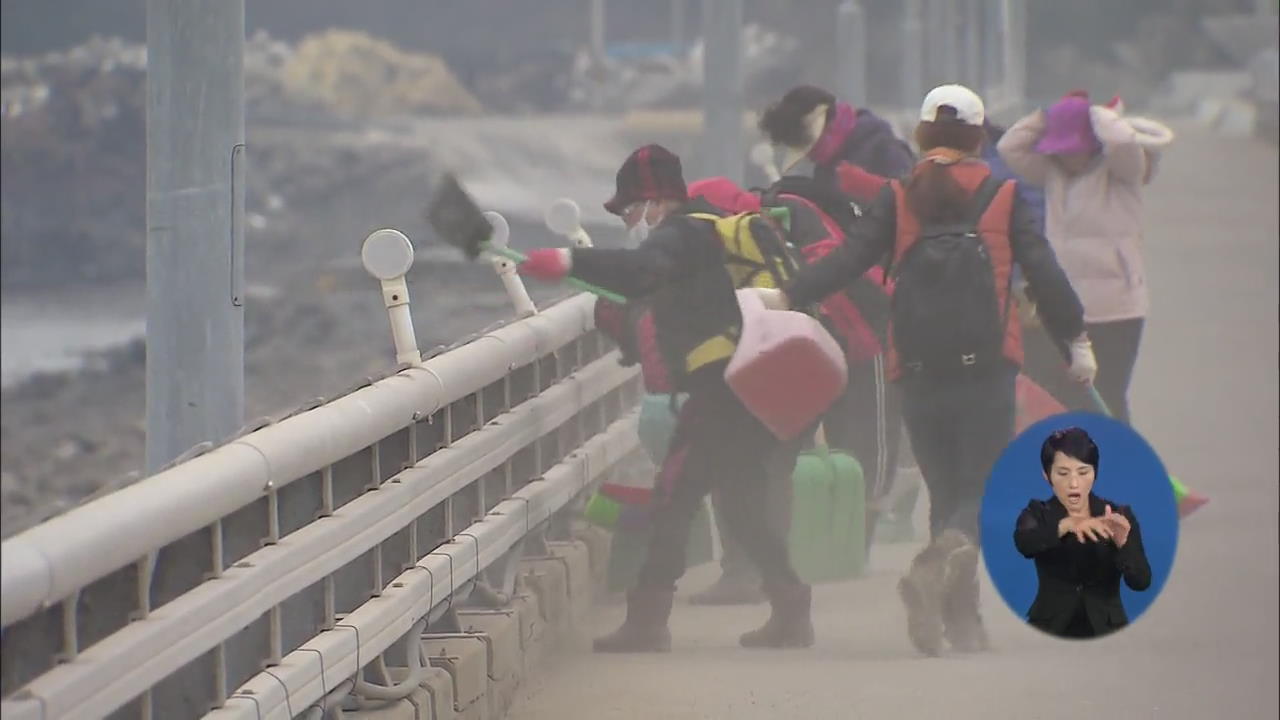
{"x":866,"y":418}
{"x":688,"y":265}
{"x":953,"y":236}
{"x":1094,"y":167}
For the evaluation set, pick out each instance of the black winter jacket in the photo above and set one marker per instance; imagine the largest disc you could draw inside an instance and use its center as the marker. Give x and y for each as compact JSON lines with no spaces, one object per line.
{"x":679,"y":272}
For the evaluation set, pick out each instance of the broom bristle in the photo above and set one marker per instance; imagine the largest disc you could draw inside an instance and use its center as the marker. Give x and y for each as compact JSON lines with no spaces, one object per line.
{"x":456,"y":218}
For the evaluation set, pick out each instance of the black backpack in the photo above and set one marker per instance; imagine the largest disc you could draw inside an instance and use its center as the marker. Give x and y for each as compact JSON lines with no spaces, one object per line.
{"x":945,"y":310}
{"x":829,"y":199}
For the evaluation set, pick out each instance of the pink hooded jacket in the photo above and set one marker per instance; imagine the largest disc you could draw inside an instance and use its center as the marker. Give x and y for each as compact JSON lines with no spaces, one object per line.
{"x":1093,"y":220}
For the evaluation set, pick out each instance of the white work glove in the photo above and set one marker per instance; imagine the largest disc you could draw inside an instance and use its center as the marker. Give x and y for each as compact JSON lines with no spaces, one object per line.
{"x":1084,"y":366}
{"x":773,"y":298}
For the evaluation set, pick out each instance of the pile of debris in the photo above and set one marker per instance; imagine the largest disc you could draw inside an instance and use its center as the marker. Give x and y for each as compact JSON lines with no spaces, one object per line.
{"x":354,"y":74}
{"x":74,"y":145}
{"x":643,"y":76}
{"x":74,"y":163}
{"x":343,"y":72}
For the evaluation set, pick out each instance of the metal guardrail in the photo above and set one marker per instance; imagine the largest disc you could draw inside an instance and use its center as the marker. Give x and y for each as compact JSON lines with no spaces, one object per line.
{"x":273,"y":551}
{"x":252,"y":581}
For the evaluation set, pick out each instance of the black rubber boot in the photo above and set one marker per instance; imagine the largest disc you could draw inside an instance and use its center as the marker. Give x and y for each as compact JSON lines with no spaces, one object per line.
{"x":961,"y":617}
{"x":790,"y":624}
{"x":645,"y":629}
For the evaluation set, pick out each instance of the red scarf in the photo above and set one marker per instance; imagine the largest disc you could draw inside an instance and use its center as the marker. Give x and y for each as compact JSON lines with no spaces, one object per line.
{"x":838,"y":129}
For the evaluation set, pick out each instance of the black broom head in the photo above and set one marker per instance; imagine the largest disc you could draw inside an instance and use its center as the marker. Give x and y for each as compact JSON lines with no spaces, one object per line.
{"x":456,"y":217}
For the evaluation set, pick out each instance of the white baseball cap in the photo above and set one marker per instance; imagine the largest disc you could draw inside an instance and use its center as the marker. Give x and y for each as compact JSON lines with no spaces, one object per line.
{"x":965,"y":102}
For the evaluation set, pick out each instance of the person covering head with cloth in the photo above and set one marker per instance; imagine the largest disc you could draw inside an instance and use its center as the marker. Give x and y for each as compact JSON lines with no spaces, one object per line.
{"x":679,"y":272}
{"x":850,"y":148}
{"x":1093,"y":164}
{"x":853,"y":152}
{"x":953,"y":236}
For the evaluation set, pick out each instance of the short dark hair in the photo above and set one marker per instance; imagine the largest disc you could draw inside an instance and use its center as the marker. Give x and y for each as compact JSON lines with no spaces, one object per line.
{"x":783,"y":121}
{"x":1073,"y":442}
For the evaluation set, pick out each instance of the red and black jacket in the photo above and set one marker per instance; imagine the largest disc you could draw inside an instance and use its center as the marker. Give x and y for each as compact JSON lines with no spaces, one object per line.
{"x":1010,"y":229}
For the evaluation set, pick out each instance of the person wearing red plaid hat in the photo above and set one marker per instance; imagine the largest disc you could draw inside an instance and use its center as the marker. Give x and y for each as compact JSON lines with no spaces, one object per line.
{"x":678,"y":271}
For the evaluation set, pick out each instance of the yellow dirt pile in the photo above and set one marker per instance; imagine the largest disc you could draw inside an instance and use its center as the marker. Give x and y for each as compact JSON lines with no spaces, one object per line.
{"x":354,"y":73}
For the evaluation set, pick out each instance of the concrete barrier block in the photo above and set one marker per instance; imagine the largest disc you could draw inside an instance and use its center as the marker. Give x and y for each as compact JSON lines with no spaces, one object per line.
{"x":597,"y":541}
{"x":434,"y":701}
{"x":502,"y":627}
{"x":398,"y":710}
{"x":439,"y":688}
{"x":533,"y":628}
{"x":466,"y":657}
{"x":549,"y":580}
{"x":577,"y":559}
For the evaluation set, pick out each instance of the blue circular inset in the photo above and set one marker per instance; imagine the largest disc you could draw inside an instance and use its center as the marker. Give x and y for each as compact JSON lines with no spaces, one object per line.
{"x":1129,"y":473}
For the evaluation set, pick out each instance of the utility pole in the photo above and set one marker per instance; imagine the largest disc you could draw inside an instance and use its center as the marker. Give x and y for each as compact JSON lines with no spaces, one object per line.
{"x":913,"y":53}
{"x":1015,"y":50}
{"x":596,"y":41}
{"x":722,"y":92}
{"x":195,"y":229}
{"x":675,"y":30}
{"x":851,"y":51}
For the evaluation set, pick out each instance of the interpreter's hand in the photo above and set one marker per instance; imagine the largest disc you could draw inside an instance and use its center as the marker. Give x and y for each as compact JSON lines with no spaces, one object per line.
{"x":773,"y":298}
{"x":1084,"y":366}
{"x":1085,"y":529}
{"x":1119,"y":525}
{"x":550,"y":264}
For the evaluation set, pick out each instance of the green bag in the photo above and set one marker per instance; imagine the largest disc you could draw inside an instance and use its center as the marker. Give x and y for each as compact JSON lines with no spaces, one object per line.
{"x":629,"y":548}
{"x":602,"y":511}
{"x":828,"y":517}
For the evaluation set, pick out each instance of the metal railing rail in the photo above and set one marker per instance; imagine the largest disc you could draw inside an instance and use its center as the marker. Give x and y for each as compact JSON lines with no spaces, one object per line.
{"x":49,"y":562}
{"x":221,"y":626}
{"x":303,"y":675}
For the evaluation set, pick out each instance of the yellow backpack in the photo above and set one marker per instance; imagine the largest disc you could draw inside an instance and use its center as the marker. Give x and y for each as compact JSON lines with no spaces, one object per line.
{"x":757,"y":254}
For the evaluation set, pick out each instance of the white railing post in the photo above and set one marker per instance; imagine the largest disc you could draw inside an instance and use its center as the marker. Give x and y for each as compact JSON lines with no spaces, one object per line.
{"x":387,"y":255}
{"x":506,"y":269}
{"x":563,"y":217}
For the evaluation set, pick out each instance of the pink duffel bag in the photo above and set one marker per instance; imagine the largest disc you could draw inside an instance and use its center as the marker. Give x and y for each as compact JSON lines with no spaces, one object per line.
{"x":787,"y":369}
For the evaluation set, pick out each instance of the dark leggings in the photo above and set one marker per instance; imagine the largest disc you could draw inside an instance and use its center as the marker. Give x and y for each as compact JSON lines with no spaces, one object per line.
{"x":1115,"y":346}
{"x":867,"y":422}
{"x":719,"y":446}
{"x":958,"y":428}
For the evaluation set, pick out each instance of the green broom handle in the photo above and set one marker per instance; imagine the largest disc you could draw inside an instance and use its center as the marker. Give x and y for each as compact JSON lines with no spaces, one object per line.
{"x":1098,"y":401}
{"x":519,"y":257}
{"x":1179,"y":490}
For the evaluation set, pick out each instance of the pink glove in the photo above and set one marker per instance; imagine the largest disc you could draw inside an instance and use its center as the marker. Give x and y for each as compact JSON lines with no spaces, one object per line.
{"x":549,"y":264}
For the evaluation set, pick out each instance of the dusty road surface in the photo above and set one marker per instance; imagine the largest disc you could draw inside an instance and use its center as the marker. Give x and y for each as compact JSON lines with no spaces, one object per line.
{"x":1205,"y":396}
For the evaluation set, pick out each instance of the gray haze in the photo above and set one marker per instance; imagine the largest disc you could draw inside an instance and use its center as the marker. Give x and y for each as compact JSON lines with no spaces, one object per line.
{"x":508,"y":93}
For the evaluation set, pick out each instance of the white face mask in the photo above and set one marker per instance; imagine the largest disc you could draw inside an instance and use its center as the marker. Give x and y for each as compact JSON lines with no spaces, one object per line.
{"x":640,"y":231}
